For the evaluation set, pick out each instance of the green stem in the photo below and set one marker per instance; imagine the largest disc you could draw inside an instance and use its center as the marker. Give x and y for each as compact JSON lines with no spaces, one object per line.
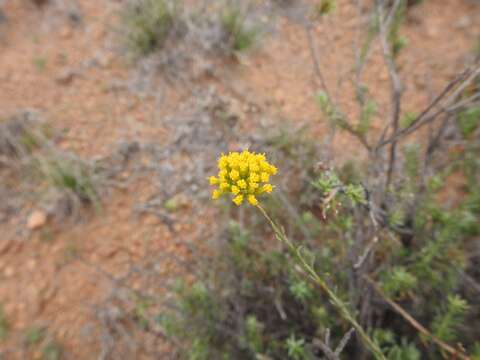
{"x":311,"y":273}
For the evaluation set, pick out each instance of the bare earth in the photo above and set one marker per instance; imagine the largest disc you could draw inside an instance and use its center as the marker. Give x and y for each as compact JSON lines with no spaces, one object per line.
{"x":75,"y":75}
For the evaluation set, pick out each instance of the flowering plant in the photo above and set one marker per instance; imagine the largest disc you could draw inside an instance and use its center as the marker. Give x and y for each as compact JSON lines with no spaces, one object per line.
{"x":245,"y":175}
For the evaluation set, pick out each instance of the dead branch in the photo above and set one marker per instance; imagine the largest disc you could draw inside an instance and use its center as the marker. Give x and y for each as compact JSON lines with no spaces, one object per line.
{"x":463,"y":80}
{"x":419,"y":327}
{"x":396,"y":85}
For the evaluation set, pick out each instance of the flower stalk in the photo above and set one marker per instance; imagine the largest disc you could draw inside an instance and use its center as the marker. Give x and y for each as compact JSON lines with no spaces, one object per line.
{"x":312,"y":274}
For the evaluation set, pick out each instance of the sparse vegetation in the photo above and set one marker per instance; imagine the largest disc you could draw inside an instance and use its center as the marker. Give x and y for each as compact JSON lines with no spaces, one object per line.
{"x":211,"y":29}
{"x":34,"y":335}
{"x":69,"y":174}
{"x":348,"y":208}
{"x":239,"y":35}
{"x":52,"y":351}
{"x":375,"y":232}
{"x":4,"y":326}
{"x":149,"y":23}
{"x":40,"y":63}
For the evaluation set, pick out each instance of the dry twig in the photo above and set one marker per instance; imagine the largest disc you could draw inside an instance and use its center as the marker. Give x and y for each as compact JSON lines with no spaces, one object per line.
{"x":419,"y":327}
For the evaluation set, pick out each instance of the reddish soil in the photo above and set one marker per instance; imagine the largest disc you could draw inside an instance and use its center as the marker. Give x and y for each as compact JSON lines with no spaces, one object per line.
{"x":75,"y":75}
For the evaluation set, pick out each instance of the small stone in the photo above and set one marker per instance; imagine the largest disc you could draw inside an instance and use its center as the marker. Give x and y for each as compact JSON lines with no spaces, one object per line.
{"x":108,"y":250}
{"x":9,"y":271}
{"x":32,"y":264}
{"x":280,"y":96}
{"x":105,"y":59}
{"x":5,"y":245}
{"x":66,"y":77}
{"x":66,"y":32}
{"x":176,"y":202}
{"x":36,"y":220}
{"x":432,"y":31}
{"x":464,"y":22}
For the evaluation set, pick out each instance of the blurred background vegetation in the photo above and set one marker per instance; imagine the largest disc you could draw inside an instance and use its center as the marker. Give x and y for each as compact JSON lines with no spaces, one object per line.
{"x":377,"y":188}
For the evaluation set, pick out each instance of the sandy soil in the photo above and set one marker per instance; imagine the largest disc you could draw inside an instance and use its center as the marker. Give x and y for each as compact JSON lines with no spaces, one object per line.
{"x":73,"y":72}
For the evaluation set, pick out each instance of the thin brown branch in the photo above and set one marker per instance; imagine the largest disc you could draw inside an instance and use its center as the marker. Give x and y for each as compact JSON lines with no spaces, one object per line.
{"x":414,"y":323}
{"x":315,"y":59}
{"x":463,"y":80}
{"x":396,"y":85}
{"x":329,"y":353}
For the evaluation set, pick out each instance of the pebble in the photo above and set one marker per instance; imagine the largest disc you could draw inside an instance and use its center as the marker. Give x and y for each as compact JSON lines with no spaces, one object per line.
{"x":66,"y":32}
{"x":36,"y":220}
{"x":66,"y":77}
{"x":464,"y":22}
{"x":9,"y":272}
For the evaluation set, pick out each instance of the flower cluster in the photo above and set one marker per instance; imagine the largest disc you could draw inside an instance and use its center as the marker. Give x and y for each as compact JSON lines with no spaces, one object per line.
{"x":245,"y":175}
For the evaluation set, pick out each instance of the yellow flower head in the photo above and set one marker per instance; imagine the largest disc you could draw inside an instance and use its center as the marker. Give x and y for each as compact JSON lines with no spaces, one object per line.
{"x":245,"y":175}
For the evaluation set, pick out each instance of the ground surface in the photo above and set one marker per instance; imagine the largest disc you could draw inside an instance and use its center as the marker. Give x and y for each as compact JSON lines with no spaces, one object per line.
{"x":74,"y":74}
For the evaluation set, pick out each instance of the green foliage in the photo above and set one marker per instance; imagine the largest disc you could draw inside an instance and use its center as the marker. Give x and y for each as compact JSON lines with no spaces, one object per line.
{"x":407,"y":119}
{"x":445,"y":324}
{"x":4,"y":326}
{"x":40,"y":63}
{"x":244,"y":271}
{"x":393,"y":350}
{"x":301,"y":290}
{"x":325,"y":7}
{"x":396,"y":41}
{"x":69,"y":174}
{"x":412,"y":162}
{"x":468,"y":120}
{"x":52,"y":351}
{"x":295,"y":348}
{"x":398,"y":281}
{"x":328,"y":183}
{"x":251,"y":285}
{"x":476,"y":351}
{"x":331,"y":112}
{"x":369,"y":110}
{"x":240,"y":36}
{"x":373,"y":29}
{"x":148,"y":24}
{"x":34,"y":335}
{"x":254,"y":334}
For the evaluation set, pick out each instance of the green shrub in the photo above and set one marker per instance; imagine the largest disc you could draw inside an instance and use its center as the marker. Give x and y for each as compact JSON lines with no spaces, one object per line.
{"x":239,"y":35}
{"x":371,"y":246}
{"x":4,"y":325}
{"x":469,"y":120}
{"x":148,"y":24}
{"x":250,"y":301}
{"x":69,"y":174}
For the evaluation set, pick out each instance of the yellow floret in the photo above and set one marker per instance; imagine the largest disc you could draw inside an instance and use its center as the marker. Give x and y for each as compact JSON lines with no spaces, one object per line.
{"x":216,"y":194}
{"x":222,"y":162}
{"x":254,"y":177}
{"x":260,"y":157}
{"x":233,"y":163}
{"x":242,"y":184}
{"x":267,"y":188}
{"x":243,"y":167}
{"x":238,"y":200}
{"x":265,"y":177}
{"x":253,"y":166}
{"x":244,"y":175}
{"x":252,"y":186}
{"x":222,"y":174}
{"x":234,"y":175}
{"x":252,"y":200}
{"x":265,"y":166}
